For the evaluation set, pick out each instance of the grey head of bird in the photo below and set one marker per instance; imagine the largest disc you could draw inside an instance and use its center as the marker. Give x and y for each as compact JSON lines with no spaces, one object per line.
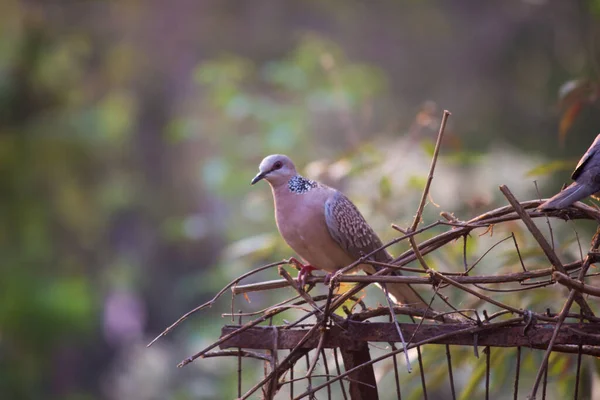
{"x":277,"y":169}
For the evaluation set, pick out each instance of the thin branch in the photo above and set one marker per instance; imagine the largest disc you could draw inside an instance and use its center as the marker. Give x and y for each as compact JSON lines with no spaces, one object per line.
{"x":512,"y":277}
{"x":575,"y":284}
{"x":397,"y":325}
{"x":436,"y":152}
{"x":237,"y":353}
{"x":212,"y":301}
{"x":535,"y":232}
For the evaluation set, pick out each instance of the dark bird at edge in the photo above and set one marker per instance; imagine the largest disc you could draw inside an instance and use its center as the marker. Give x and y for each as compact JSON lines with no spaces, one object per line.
{"x":586,"y":177}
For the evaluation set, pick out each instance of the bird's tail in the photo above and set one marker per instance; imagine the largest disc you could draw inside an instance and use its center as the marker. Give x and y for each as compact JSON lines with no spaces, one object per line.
{"x":403,"y":293}
{"x":568,"y":196}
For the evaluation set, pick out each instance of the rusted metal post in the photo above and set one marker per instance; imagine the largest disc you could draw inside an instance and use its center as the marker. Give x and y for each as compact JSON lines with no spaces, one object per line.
{"x":362,"y":381}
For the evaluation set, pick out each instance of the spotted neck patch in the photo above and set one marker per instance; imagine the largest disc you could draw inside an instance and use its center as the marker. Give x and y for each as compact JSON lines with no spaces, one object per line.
{"x":299,"y":184}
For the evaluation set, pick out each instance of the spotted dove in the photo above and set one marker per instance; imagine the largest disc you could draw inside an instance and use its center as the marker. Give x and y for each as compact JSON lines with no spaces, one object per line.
{"x":323,"y":227}
{"x":586,"y":177}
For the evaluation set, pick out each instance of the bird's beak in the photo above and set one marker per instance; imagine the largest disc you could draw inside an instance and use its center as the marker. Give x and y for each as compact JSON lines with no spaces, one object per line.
{"x":258,"y":177}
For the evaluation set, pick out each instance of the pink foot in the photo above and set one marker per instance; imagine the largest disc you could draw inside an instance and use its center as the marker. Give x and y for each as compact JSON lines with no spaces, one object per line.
{"x":304,"y":270}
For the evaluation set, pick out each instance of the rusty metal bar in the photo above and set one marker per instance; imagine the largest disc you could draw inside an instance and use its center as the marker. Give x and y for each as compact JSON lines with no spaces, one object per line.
{"x":326,"y":366}
{"x":422,"y":373}
{"x":545,"y":383}
{"x":396,"y":373}
{"x":537,"y":336}
{"x":517,"y":373}
{"x":578,"y":375}
{"x":339,"y":372}
{"x":450,"y":374}
{"x":487,"y":351}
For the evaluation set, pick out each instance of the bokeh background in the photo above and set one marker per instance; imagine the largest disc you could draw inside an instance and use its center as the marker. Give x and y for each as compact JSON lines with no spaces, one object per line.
{"x":129,"y":132}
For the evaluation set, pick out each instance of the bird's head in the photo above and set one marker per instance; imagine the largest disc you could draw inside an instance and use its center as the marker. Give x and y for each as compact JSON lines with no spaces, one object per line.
{"x":277,"y":169}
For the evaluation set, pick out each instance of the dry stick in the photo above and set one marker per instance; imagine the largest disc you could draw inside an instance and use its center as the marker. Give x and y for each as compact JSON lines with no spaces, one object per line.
{"x":541,"y":317}
{"x":467,"y":227}
{"x":401,"y":268}
{"x":547,"y":219}
{"x":417,"y":219}
{"x":419,"y":256}
{"x":470,"y":330}
{"x":239,"y":366}
{"x":366,"y":257}
{"x":337,"y":320}
{"x":465,"y":263}
{"x":300,"y":291}
{"x":292,"y":356}
{"x":393,"y":316}
{"x":341,"y":300}
{"x":502,"y":214}
{"x":485,"y":254}
{"x":214,"y":299}
{"x":243,"y":328}
{"x":247,"y":326}
{"x":563,"y":314}
{"x":436,"y":151}
{"x":399,"y":310}
{"x":237,"y":353}
{"x":289,"y":366}
{"x":422,"y":320}
{"x":514,"y":290}
{"x":313,"y":363}
{"x":578,"y":242}
{"x":543,"y":243}
{"x":574,"y":284}
{"x":512,"y":277}
{"x":519,"y":251}
{"x":280,"y":304}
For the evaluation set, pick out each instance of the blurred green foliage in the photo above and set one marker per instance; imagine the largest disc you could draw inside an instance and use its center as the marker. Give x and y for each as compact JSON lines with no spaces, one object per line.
{"x":129,"y":133}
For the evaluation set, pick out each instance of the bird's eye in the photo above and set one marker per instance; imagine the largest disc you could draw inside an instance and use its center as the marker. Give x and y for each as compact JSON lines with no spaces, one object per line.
{"x":277,"y":165}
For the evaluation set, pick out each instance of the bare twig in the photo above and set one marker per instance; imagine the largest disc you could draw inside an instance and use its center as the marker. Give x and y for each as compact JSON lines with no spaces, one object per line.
{"x":212,"y":301}
{"x":436,"y":152}
{"x":577,"y":285}
{"x":543,"y":243}
{"x":395,"y":322}
{"x":505,"y":278}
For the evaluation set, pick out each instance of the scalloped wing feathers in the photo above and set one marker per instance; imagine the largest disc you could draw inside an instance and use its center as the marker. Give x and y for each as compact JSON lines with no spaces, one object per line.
{"x":350,"y":230}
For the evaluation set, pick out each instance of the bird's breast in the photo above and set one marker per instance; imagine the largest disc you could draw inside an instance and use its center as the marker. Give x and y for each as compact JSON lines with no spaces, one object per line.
{"x":301,"y":223}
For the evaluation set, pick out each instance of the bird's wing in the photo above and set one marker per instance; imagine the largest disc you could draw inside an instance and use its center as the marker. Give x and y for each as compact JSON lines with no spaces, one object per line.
{"x":589,"y":154}
{"x":349,"y":229}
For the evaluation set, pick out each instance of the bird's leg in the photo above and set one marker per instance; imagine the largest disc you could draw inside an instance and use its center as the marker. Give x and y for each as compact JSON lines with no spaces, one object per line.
{"x":304,"y":270}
